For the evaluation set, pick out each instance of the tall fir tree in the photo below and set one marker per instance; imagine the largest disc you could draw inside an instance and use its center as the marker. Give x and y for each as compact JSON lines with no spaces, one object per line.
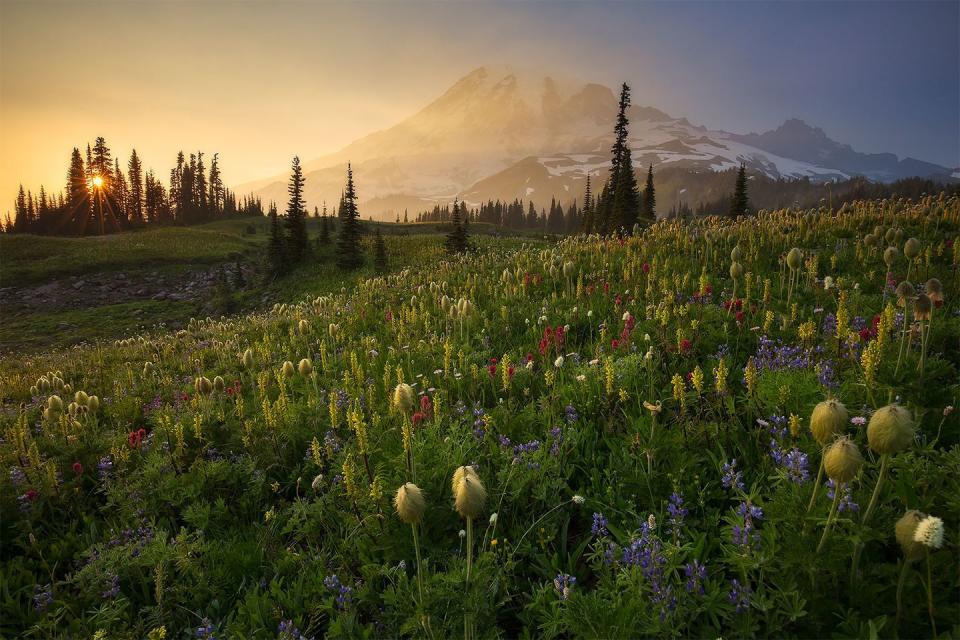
{"x":135,"y":192}
{"x":78,"y":193}
{"x":649,"y":198}
{"x":457,"y":241}
{"x":349,"y":249}
{"x":587,"y":222}
{"x":296,"y":217}
{"x":324,"y":227}
{"x":215,"y":193}
{"x":740,"y":202}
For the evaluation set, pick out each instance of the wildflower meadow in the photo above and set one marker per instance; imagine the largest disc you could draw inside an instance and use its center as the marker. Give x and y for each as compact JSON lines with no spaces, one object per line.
{"x":719,"y":427}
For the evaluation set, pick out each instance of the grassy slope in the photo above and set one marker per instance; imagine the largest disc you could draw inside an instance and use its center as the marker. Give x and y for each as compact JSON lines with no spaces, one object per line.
{"x":33,"y":261}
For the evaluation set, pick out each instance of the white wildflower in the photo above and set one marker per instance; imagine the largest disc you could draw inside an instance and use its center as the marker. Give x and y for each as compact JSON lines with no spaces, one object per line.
{"x":930,"y":532}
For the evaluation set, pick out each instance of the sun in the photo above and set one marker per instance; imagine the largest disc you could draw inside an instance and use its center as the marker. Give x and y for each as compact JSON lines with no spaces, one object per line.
{"x":97,"y":181}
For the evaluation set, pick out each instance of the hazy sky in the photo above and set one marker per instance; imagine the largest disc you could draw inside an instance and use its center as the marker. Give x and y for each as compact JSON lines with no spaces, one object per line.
{"x":261,"y":81}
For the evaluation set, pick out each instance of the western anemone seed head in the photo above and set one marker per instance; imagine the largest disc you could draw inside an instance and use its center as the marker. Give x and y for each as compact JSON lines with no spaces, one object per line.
{"x":55,"y":404}
{"x":828,"y":420}
{"x":445,"y":303}
{"x":922,"y":306}
{"x":890,"y":256}
{"x":736,"y":270}
{"x":934,"y":290}
{"x":904,"y":531}
{"x":303,"y":326}
{"x":469,"y":495}
{"x":568,"y":269}
{"x":247,"y":358}
{"x":287,"y":369}
{"x":404,"y":397}
{"x":905,"y":291}
{"x":219,"y":384}
{"x":81,"y":397}
{"x":842,"y":460}
{"x":735,"y":254}
{"x":459,"y":475}
{"x":930,"y":532}
{"x":890,"y":429}
{"x":43,"y":383}
{"x":305,"y":367}
{"x":34,"y":390}
{"x":890,"y":234}
{"x":73,"y":408}
{"x":147,"y":369}
{"x":93,"y":403}
{"x":203,"y":386}
{"x":409,"y":503}
{"x":794,"y":259}
{"x":911,"y":248}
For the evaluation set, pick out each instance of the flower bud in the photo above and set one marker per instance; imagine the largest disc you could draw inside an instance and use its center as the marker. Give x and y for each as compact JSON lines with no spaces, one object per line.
{"x":890,"y":430}
{"x":842,"y":460}
{"x":828,"y":420}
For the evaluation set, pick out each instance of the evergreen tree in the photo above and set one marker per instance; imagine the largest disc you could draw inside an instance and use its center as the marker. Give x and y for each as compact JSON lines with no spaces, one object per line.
{"x":324,"y":227}
{"x":587,"y":223}
{"x":457,"y":241}
{"x":296,"y":218}
{"x":215,"y":194}
{"x":135,"y":193}
{"x":21,"y":221}
{"x":649,"y":197}
{"x":78,"y":192}
{"x":200,"y":189}
{"x":277,"y":247}
{"x":349,"y":251}
{"x":620,"y":200}
{"x":379,"y":252}
{"x":120,"y":192}
{"x":740,"y":203}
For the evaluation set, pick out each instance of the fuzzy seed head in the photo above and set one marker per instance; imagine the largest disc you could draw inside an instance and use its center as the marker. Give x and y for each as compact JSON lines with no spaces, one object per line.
{"x":736,"y":270}
{"x":55,"y":404}
{"x":204,"y":386}
{"x":93,"y":403}
{"x":905,"y":291}
{"x":890,"y":256}
{"x":890,"y":430}
{"x":735,"y":254}
{"x":81,"y":397}
{"x":828,"y":421}
{"x":934,"y":290}
{"x":469,"y":494}
{"x":409,"y":503}
{"x":248,"y":358}
{"x":842,"y":460}
{"x":794,"y":259}
{"x":287,"y":369}
{"x":305,"y":367}
{"x":922,"y":306}
{"x":904,"y":531}
{"x":404,"y":397}
{"x":930,"y":532}
{"x":911,"y":248}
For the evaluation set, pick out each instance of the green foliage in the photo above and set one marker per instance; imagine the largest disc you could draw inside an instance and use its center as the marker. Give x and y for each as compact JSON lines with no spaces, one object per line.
{"x":643,"y":439}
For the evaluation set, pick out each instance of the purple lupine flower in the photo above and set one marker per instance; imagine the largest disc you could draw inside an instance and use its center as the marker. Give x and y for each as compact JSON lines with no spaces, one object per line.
{"x":563,"y":584}
{"x":845,"y":503}
{"x":556,"y":437}
{"x":104,"y":467}
{"x":570,"y":414}
{"x":205,"y":630}
{"x":677,"y":512}
{"x":599,"y":528}
{"x":287,"y":631}
{"x":17,"y":476}
{"x":745,"y":535}
{"x":740,"y":595}
{"x":696,"y":573}
{"x":42,"y":597}
{"x":732,"y":478}
{"x":112,"y":586}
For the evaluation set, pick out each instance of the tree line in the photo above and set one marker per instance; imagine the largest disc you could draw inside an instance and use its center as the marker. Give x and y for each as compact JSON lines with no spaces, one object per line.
{"x":100,"y":197}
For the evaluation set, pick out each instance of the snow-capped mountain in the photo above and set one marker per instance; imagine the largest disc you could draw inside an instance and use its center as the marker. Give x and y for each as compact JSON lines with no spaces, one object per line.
{"x":499,"y":133}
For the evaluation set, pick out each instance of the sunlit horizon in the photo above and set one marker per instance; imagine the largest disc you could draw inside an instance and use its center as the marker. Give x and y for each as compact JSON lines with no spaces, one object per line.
{"x":279,"y":79}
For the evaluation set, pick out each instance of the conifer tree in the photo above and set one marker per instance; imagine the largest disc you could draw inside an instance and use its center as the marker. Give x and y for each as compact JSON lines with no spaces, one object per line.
{"x":135,"y":192}
{"x":649,"y":198}
{"x":379,"y":252}
{"x":21,"y":221}
{"x":324,"y":227}
{"x":349,"y":251}
{"x":587,"y":223}
{"x":296,"y":218}
{"x":740,"y":203}
{"x":457,"y":241}
{"x":277,"y":247}
{"x":215,"y":193}
{"x":78,"y":191}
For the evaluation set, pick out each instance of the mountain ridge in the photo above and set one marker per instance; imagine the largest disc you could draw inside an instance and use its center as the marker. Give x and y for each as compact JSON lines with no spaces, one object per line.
{"x":497,"y":128}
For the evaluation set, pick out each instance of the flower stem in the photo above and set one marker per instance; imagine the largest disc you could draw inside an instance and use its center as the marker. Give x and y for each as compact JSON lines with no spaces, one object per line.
{"x":816,"y":485}
{"x":933,"y":621}
{"x":858,"y":548}
{"x":833,"y":510}
{"x":903,"y":578}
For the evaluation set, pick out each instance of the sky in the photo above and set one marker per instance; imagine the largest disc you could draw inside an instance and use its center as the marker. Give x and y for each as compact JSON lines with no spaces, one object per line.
{"x":258,"y":82}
